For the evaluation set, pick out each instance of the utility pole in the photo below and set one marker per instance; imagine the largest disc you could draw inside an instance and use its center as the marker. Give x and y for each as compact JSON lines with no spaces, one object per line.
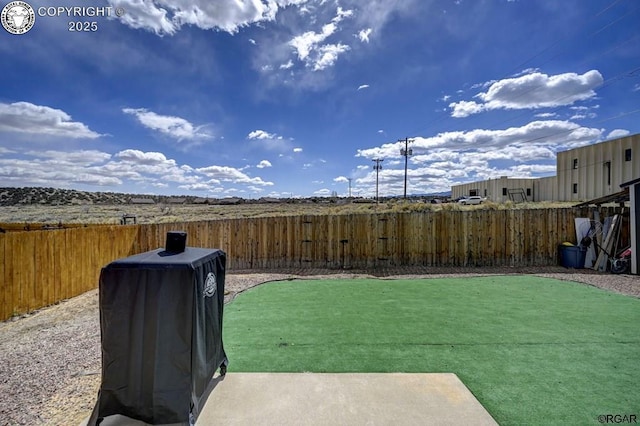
{"x":377,"y":168}
{"x":405,"y":152}
{"x":349,"y":179}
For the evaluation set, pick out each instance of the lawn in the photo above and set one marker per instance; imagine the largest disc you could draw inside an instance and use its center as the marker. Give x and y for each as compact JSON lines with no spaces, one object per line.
{"x":532,"y":350}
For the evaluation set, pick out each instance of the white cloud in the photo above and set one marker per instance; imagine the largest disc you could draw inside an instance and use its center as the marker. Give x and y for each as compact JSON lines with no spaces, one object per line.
{"x":287,"y":65}
{"x":310,"y":50}
{"x":145,"y":15}
{"x":6,"y":151}
{"x":555,"y":133}
{"x":255,"y":189}
{"x":229,"y":174}
{"x":530,"y":91}
{"x":27,"y":118}
{"x":162,"y":17}
{"x":136,"y":169}
{"x":618,"y":133}
{"x":139,"y":157}
{"x":171,"y":126}
{"x":524,"y":72}
{"x":304,"y":44}
{"x":301,"y":51}
{"x":57,"y":168}
{"x":297,"y":149}
{"x":270,"y":141}
{"x":527,"y":170}
{"x":482,"y":85}
{"x":363,"y":35}
{"x":341,"y":14}
{"x":341,"y":179}
{"x":465,"y":108}
{"x":363,"y":86}
{"x":546,"y":115}
{"x":322,"y":192}
{"x":391,"y":181}
{"x":515,"y":152}
{"x":198,"y":187}
{"x":582,"y":113}
{"x":328,"y":55}
{"x":77,"y":158}
{"x":261,"y":135}
{"x":149,"y":166}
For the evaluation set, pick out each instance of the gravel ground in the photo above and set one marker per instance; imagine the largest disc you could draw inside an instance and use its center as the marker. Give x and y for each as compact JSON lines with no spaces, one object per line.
{"x":50,"y":360}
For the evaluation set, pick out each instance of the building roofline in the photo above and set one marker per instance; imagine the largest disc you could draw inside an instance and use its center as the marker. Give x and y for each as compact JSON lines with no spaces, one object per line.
{"x":599,"y":143}
{"x":631,"y":182}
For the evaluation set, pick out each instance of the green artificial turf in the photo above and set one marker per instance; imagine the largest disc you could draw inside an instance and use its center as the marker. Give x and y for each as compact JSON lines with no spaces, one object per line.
{"x":532,"y":350}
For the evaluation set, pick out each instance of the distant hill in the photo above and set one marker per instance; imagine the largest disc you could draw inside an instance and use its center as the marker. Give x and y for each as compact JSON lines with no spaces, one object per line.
{"x":434,"y":195}
{"x":61,"y":197}
{"x":57,"y":196}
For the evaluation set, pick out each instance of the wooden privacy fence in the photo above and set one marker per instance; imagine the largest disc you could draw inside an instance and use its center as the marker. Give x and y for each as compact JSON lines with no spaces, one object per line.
{"x":40,"y":268}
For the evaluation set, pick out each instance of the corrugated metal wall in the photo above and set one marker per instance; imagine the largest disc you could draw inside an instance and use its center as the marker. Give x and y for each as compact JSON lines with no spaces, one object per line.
{"x":595,"y":171}
{"x":497,"y":190}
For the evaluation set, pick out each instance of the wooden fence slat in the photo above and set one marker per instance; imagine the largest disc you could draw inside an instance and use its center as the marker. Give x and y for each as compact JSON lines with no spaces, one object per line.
{"x":44,"y":262}
{"x":12,"y":251}
{"x":5,"y":284}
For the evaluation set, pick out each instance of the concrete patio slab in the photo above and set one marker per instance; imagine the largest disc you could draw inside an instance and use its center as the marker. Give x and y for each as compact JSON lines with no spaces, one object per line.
{"x":241,"y":399}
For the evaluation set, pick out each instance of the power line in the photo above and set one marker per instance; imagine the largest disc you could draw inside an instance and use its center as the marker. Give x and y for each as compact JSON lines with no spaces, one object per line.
{"x":607,"y":8}
{"x":559,"y":41}
{"x":592,"y":35}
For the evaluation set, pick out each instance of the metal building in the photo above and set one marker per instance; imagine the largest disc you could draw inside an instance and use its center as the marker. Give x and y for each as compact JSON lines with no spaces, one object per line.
{"x":498,"y":190}
{"x":597,"y":170}
{"x":584,"y":173}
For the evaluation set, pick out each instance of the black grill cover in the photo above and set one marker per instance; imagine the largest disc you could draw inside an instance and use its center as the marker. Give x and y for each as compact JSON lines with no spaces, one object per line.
{"x":161,"y":324}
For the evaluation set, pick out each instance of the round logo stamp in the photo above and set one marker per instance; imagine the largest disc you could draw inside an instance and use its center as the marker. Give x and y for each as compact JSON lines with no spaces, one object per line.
{"x":18,"y":17}
{"x":210,"y":285}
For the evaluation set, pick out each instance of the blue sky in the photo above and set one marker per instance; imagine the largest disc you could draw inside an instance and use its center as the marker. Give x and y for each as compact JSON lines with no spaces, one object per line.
{"x":281,"y":98}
